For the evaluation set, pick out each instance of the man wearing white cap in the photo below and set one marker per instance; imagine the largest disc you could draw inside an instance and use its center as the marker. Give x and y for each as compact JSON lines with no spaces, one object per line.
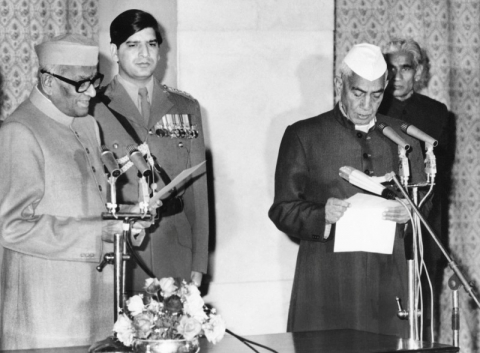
{"x":53,"y":193}
{"x":343,"y":290}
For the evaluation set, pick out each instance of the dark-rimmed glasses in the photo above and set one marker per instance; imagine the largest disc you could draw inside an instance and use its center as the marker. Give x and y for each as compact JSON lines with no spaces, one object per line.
{"x":80,"y":86}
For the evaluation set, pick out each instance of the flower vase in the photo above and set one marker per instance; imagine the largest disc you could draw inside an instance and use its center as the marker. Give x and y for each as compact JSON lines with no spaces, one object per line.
{"x":166,"y":346}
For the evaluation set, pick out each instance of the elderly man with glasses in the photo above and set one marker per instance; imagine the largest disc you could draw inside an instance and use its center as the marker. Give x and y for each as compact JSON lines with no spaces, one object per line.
{"x":53,"y":192}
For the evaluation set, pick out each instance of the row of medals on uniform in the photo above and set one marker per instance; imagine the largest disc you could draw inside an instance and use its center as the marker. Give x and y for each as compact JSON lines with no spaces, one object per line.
{"x":176,"y":126}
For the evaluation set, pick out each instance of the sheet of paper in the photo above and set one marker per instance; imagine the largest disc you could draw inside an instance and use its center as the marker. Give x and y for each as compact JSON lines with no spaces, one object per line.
{"x":361,"y":228}
{"x":178,"y":179}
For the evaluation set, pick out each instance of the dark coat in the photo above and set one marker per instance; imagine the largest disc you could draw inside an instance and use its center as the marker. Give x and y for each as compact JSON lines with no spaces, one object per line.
{"x":179,"y":242}
{"x":337,"y":290}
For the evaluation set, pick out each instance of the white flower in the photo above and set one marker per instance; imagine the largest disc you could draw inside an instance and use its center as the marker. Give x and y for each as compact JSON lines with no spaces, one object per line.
{"x":194,"y":303}
{"x":149,"y":281}
{"x":168,"y":286}
{"x":154,"y":306}
{"x":135,"y":304}
{"x":193,"y":290}
{"x":152,"y":285}
{"x":214,"y":329}
{"x":189,"y":328}
{"x":193,"y":306}
{"x":124,"y":329}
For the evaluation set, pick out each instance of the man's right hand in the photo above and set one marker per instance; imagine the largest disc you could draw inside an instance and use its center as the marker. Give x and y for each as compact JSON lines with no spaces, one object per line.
{"x":109,"y":228}
{"x":334,"y":209}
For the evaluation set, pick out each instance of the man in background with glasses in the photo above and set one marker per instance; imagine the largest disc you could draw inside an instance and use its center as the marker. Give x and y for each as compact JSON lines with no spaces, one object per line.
{"x":53,"y":192}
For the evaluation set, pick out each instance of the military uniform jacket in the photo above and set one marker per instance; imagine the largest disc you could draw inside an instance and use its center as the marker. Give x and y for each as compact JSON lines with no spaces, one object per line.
{"x":350,"y":290}
{"x":178,"y":244}
{"x":52,"y":188}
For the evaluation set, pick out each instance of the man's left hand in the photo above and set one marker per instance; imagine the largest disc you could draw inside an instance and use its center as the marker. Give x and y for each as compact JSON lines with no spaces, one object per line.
{"x":196,"y":278}
{"x":397,"y":214}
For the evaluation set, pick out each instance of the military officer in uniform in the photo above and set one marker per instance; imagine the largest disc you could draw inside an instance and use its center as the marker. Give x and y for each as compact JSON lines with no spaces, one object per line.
{"x":135,"y":109}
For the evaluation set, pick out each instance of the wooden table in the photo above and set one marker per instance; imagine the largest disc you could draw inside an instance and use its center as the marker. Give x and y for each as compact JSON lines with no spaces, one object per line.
{"x":334,"y":341}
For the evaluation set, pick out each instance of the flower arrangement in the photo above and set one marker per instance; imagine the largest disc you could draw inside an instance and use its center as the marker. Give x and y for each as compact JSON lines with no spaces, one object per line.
{"x":174,"y":309}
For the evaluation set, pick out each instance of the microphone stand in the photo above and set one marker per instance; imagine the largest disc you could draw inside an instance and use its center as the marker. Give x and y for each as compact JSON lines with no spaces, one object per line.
{"x":120,"y":254}
{"x":457,"y":276}
{"x":412,"y":264}
{"x":118,"y":259}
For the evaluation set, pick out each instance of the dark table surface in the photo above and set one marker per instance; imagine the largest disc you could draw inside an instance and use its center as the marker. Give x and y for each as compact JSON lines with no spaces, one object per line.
{"x":334,"y":341}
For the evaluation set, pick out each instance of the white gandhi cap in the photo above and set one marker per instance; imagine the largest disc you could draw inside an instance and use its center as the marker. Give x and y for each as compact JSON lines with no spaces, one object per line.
{"x":68,"y":49}
{"x":366,"y":60}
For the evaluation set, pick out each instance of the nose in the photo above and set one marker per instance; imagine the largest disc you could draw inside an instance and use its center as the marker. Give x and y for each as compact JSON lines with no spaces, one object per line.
{"x":367,"y":102}
{"x":144,"y":50}
{"x":397,"y":75}
{"x":91,"y":91}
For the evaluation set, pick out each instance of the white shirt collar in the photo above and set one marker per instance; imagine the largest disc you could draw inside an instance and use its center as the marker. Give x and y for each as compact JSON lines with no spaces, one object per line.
{"x":364,"y":128}
{"x":132,"y":90}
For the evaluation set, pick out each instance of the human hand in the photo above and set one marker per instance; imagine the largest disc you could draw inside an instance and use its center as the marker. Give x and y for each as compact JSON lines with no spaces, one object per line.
{"x":398,"y":214}
{"x":334,"y":209}
{"x":109,"y":228}
{"x":196,"y":278}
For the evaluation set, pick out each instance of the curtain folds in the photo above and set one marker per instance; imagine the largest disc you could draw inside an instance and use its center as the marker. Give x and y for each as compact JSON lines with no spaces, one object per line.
{"x":25,"y":23}
{"x":449,"y":30}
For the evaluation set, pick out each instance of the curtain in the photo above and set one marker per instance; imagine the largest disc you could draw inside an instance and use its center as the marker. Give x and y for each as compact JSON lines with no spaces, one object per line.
{"x":449,"y":30}
{"x":25,"y":23}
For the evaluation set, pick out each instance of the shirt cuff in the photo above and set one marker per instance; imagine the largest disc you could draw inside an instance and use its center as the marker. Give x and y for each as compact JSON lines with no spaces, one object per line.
{"x":326,"y":234}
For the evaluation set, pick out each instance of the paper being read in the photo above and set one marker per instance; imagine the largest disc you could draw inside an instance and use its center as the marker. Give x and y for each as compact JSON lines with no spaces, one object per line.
{"x":178,"y":179}
{"x":361,"y":228}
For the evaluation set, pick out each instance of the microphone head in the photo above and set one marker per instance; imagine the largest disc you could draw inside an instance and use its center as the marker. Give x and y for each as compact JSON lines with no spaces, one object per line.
{"x":404,"y":127}
{"x":110,"y":162}
{"x":392,"y":135}
{"x":382,"y":126}
{"x":137,"y":159}
{"x":412,"y":130}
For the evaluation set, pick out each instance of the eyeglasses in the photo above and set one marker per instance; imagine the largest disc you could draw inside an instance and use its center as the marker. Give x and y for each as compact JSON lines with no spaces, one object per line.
{"x":80,"y":86}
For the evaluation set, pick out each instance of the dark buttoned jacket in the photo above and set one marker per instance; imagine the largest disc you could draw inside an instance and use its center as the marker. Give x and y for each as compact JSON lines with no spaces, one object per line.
{"x":349,"y":290}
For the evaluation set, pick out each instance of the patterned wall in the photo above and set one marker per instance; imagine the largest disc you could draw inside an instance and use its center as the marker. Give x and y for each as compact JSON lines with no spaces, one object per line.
{"x":449,"y":30}
{"x":24,"y":23}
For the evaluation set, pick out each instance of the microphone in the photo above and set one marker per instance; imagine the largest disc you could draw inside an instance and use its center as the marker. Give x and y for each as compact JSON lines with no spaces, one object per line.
{"x":418,"y":134}
{"x":363,"y":181}
{"x":392,"y":135}
{"x":110,"y":162}
{"x":137,"y":159}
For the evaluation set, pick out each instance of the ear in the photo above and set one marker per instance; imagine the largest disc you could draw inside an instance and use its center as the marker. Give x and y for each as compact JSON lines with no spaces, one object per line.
{"x":46,"y":82}
{"x":114,"y":52}
{"x":338,"y":83}
{"x":418,"y":73}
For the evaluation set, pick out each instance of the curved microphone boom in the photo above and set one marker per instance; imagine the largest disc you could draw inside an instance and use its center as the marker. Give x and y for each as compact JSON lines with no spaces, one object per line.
{"x":363,"y":181}
{"x":392,"y":135}
{"x":418,"y":134}
{"x":137,"y":159}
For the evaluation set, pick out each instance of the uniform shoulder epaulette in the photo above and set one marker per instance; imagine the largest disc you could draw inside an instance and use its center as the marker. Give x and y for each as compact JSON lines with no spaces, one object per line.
{"x":175,"y":90}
